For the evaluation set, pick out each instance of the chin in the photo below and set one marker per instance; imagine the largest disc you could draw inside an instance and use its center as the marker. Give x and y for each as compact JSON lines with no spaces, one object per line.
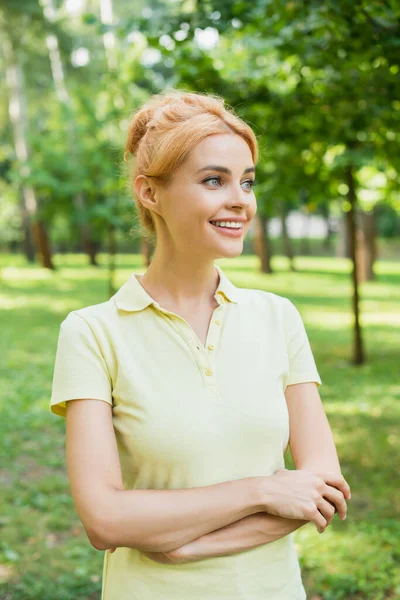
{"x":230,"y":253}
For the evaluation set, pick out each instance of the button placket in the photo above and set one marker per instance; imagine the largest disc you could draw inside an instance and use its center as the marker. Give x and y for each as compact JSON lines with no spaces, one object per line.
{"x":204,"y":355}
{"x":210,"y":357}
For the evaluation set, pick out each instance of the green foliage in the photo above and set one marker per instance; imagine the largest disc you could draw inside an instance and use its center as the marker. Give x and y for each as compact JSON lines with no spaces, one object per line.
{"x":318,"y":82}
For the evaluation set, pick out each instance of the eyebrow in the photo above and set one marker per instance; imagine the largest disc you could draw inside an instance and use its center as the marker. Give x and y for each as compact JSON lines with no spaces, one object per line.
{"x":224,"y":169}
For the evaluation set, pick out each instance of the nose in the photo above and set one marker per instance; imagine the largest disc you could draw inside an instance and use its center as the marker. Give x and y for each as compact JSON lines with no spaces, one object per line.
{"x":241,"y":199}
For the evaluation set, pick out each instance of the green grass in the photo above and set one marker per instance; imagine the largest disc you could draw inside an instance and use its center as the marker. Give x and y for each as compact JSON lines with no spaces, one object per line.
{"x":44,"y":552}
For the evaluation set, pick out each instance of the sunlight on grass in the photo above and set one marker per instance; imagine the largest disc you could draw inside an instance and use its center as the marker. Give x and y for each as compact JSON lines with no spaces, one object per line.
{"x":329,"y":555}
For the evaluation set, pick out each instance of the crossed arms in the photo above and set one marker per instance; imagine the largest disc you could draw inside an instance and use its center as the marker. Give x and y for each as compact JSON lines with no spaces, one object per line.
{"x":312,"y":447}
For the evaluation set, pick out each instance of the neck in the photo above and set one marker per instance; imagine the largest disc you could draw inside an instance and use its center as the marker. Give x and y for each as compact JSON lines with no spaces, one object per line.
{"x":183,"y":286}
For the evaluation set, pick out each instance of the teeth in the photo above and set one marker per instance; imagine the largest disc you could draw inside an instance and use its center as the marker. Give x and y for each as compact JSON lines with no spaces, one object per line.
{"x":230,"y":224}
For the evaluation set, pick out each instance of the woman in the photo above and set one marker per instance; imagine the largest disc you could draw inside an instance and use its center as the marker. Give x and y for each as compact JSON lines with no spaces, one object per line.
{"x":180,"y":391}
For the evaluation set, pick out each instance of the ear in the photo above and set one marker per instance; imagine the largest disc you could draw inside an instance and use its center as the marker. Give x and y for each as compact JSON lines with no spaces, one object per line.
{"x":145,"y":192}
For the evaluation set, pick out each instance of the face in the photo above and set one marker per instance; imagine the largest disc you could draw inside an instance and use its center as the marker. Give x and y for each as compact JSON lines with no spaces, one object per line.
{"x":195,"y":196}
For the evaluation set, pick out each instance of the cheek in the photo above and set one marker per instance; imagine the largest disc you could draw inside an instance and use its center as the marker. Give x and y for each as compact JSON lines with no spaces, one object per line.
{"x":186,"y":221}
{"x":252,"y":207}
{"x":192,"y":208}
{"x":180,"y":212}
{"x":200,"y":208}
{"x":212,"y":203}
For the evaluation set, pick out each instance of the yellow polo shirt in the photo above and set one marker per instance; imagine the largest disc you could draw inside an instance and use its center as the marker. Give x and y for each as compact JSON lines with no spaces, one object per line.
{"x":187,"y":415}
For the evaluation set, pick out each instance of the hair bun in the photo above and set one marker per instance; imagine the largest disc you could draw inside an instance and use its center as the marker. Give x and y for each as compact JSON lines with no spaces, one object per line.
{"x":138,"y":128}
{"x":146,"y":118}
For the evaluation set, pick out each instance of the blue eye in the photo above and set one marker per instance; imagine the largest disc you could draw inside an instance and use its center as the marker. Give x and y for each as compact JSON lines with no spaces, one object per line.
{"x":251,"y":181}
{"x":211,"y":178}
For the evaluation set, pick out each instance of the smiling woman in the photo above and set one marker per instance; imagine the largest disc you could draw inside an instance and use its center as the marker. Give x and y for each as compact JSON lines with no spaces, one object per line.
{"x":174,"y":389}
{"x":182,"y":208}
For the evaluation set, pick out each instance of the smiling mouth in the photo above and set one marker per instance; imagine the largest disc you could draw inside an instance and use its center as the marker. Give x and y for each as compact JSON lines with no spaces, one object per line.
{"x":233,"y":232}
{"x":240,"y":223}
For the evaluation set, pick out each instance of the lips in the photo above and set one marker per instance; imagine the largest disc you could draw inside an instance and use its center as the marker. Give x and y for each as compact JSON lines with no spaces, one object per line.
{"x":226,"y":226}
{"x":234,"y":232}
{"x":240,"y":221}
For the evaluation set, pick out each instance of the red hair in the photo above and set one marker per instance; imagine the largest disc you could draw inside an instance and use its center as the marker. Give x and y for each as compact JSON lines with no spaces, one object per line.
{"x":166,"y":128}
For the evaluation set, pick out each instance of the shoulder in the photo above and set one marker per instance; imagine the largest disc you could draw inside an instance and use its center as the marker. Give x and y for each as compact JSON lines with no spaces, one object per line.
{"x":93,"y":318}
{"x":94,"y":312}
{"x":267,"y":302}
{"x":265,"y":311}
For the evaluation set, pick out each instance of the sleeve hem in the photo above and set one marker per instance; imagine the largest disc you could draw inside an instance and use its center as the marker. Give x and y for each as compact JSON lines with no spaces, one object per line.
{"x":303,"y":378}
{"x":60,"y":408}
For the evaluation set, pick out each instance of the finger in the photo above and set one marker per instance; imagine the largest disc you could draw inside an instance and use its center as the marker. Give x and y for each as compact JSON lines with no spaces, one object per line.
{"x":327,"y":509}
{"x":319,"y":520}
{"x":337,"y":481}
{"x":336,"y":497}
{"x":331,"y":503}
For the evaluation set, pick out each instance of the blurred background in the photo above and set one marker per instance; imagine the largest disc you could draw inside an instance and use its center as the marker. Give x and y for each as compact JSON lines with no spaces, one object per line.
{"x":319,"y":82}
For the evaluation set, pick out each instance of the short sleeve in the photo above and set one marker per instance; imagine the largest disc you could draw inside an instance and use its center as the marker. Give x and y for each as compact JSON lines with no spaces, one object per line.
{"x":302,"y":367}
{"x":80,"y":370}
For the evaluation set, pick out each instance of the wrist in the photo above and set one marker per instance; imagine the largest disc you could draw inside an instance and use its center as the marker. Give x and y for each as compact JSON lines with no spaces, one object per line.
{"x":187,"y":553}
{"x":262,"y":490}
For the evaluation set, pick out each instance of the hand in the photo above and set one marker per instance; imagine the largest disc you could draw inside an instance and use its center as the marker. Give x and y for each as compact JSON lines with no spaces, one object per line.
{"x":163,"y":557}
{"x":307,"y":495}
{"x":180,"y":555}
{"x":160,"y":557}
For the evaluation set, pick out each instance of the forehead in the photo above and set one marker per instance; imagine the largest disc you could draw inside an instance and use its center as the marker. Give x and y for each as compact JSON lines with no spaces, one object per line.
{"x":229,"y":150}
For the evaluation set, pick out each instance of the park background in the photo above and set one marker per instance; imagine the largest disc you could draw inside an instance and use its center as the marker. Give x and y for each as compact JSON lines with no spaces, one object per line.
{"x":319,"y":82}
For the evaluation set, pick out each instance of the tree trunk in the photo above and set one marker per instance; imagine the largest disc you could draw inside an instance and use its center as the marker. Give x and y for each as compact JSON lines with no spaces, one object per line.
{"x":57,"y":69}
{"x":366,"y":246}
{"x":27,"y":239}
{"x":358,"y":356}
{"x":42,"y":244}
{"x":106,"y":17}
{"x":286,"y":241}
{"x":343,"y":248}
{"x":86,"y":239}
{"x":262,"y":244}
{"x":327,"y":241}
{"x":109,"y":42}
{"x":91,"y":250}
{"x":19,"y":122}
{"x":369,"y":229}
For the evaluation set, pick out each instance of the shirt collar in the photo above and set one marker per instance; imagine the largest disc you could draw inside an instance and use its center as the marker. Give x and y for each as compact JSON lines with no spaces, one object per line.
{"x":132,"y":296}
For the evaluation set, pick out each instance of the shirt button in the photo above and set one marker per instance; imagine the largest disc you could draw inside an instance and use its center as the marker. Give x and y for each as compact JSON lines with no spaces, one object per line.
{"x":218,"y":322}
{"x":208,"y":372}
{"x":211,"y":347}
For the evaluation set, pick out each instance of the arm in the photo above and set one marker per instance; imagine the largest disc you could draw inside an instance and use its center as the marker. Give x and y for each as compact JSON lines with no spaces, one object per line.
{"x":311,"y":441}
{"x":149,"y":520}
{"x":249,"y":532}
{"x":312,"y":447}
